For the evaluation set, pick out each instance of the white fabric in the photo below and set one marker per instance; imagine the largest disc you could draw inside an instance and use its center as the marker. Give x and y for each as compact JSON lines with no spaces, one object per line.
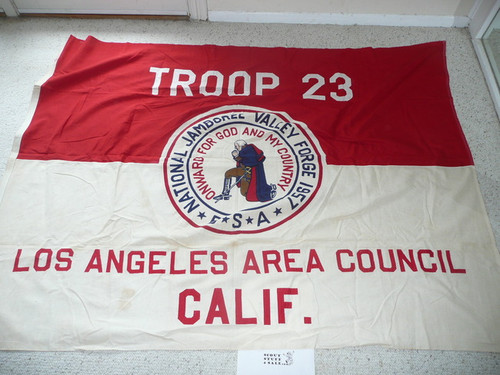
{"x":88,"y":206}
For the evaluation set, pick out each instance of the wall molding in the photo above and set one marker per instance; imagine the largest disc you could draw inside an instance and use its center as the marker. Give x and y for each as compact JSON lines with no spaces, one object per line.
{"x":130,"y":12}
{"x":339,"y":19}
{"x":198,"y":10}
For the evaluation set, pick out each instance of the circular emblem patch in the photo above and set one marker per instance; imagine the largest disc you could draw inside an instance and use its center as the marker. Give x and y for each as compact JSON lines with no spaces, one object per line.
{"x":241,"y":169}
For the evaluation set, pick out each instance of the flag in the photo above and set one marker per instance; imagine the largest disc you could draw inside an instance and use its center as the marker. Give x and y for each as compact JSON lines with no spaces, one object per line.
{"x":223,"y":197}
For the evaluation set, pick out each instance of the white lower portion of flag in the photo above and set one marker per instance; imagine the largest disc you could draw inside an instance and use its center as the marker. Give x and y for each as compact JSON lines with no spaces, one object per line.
{"x":328,"y":284}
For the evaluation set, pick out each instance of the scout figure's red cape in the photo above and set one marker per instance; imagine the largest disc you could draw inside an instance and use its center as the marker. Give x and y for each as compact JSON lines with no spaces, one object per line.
{"x":259,"y":190}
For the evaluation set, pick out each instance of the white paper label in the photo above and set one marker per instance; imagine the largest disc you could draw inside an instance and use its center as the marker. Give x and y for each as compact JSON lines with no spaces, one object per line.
{"x":276,"y":362}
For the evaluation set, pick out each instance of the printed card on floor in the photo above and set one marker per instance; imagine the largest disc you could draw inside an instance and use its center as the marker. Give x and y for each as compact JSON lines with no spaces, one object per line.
{"x":276,"y":362}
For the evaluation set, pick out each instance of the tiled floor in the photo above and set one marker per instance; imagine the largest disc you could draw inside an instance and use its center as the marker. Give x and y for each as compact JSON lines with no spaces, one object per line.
{"x":28,"y":50}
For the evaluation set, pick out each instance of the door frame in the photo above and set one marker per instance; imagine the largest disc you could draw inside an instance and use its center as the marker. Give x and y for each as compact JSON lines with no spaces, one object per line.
{"x":481,"y":16}
{"x":197,"y":9}
{"x":9,"y":8}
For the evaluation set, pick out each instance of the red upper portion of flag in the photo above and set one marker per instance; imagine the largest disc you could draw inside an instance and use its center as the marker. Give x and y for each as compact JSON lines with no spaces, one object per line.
{"x":101,"y":105}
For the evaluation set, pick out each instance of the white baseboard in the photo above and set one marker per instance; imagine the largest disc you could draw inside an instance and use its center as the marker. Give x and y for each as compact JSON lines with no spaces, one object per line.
{"x":147,"y":12}
{"x":339,"y":19}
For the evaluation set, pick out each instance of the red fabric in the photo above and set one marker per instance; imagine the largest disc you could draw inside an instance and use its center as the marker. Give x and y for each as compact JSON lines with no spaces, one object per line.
{"x":98,"y":105}
{"x":252,"y":189}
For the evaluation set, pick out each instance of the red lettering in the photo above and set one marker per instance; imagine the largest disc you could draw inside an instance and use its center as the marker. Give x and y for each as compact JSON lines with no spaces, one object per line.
{"x":266,"y":297}
{"x":453,"y":269}
{"x":61,"y":259}
{"x":433,"y":267}
{"x":289,"y":261}
{"x":181,"y":314}
{"x":314,"y":261}
{"x":441,"y":261}
{"x":196,"y":262}
{"x":118,"y":263}
{"x":139,"y":263}
{"x":282,"y":304}
{"x":16,"y":263}
{"x":361,"y":264}
{"x":266,"y":256}
{"x":217,"y":308}
{"x":251,"y":263}
{"x":37,"y":266}
{"x":222,"y":263}
{"x":409,"y":261}
{"x":425,"y":260}
{"x":239,"y":310}
{"x":392,"y":268}
{"x":174,"y":271}
{"x":153,"y":262}
{"x":95,"y":261}
{"x":339,"y":260}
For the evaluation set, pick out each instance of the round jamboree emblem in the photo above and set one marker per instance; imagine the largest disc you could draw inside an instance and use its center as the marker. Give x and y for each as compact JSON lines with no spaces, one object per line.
{"x":240,"y":169}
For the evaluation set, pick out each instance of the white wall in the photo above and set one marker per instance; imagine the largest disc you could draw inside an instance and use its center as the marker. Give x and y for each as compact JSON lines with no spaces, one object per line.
{"x":399,"y":7}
